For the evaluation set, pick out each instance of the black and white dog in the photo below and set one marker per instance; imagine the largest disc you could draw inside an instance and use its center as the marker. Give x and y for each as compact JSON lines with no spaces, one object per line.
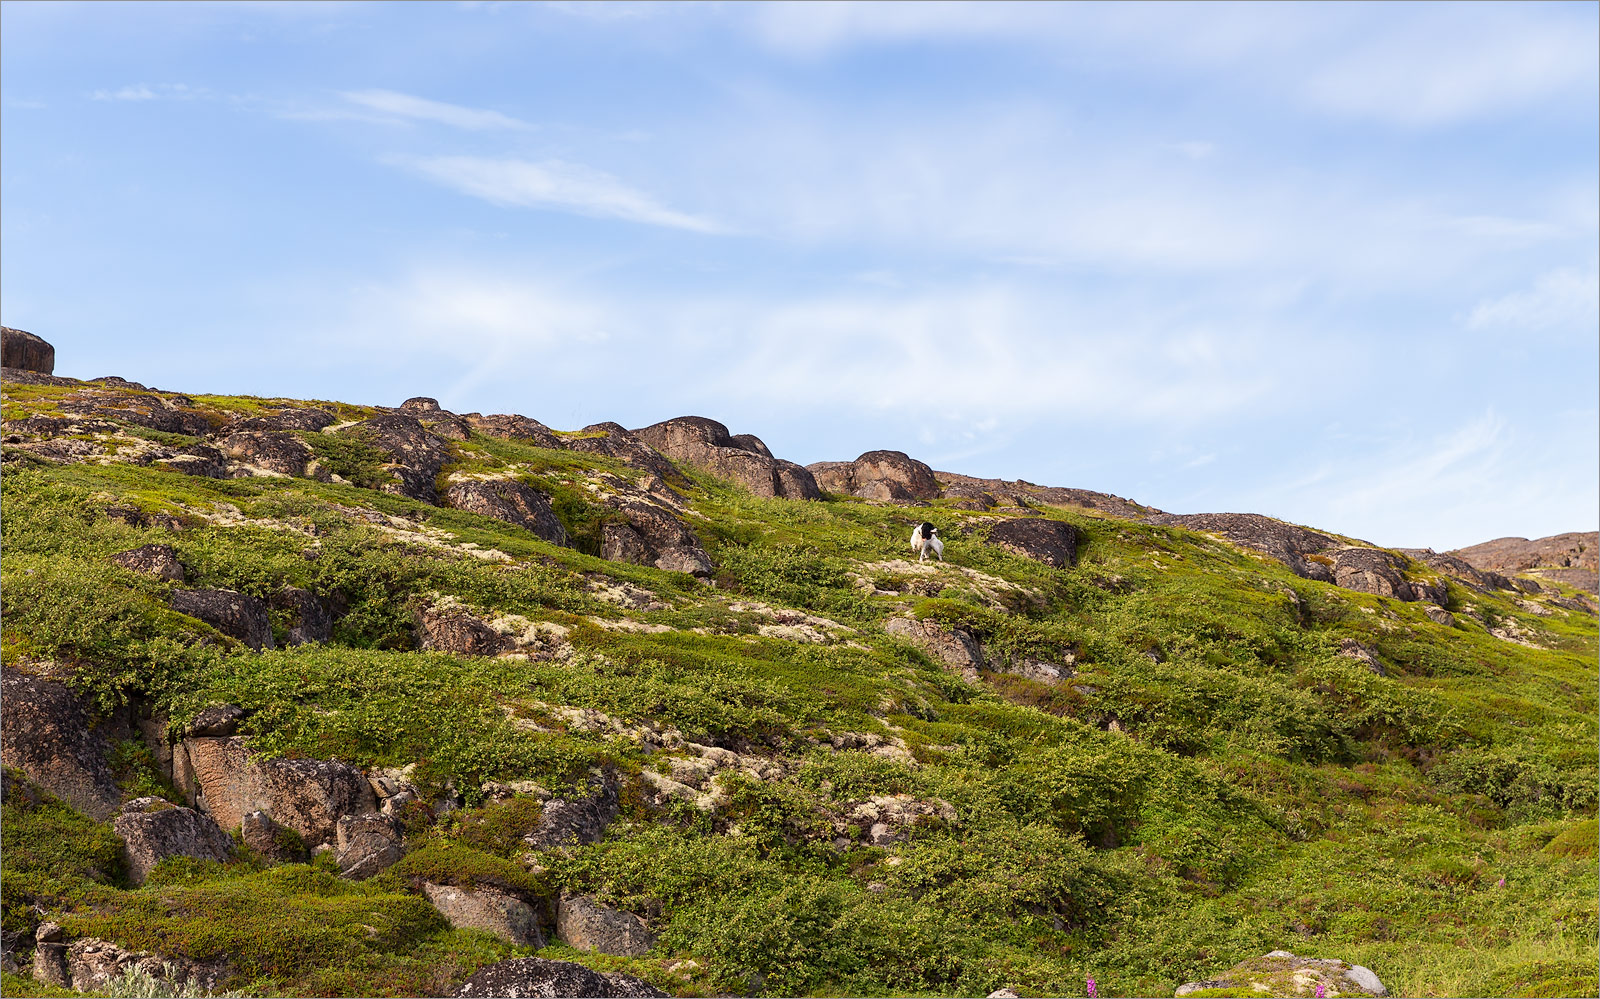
{"x":925,"y":539}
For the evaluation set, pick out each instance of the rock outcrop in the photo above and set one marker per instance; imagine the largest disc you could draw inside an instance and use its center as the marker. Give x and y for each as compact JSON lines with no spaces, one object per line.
{"x":234,"y":614}
{"x":537,"y":977}
{"x":1459,"y":569}
{"x":972,"y":493}
{"x":272,"y":841}
{"x":706,"y":444}
{"x":497,"y":912}
{"x":577,"y":821}
{"x":953,"y":648}
{"x":23,"y":351}
{"x":153,"y":830}
{"x":615,"y":441}
{"x":304,"y":418}
{"x":511,"y":501}
{"x":653,"y":536}
{"x":309,"y":619}
{"x":46,"y":732}
{"x":219,"y":776}
{"x":416,"y":454}
{"x":270,"y":452}
{"x":1573,"y":559}
{"x":448,"y":627}
{"x":1281,"y":973}
{"x":513,"y":427}
{"x":1049,"y":541}
{"x":159,"y":561}
{"x":367,"y":844}
{"x":886,"y":476}
{"x":584,"y":924}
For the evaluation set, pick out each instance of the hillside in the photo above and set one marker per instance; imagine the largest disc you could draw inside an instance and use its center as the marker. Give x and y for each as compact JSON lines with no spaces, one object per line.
{"x":310,"y":698}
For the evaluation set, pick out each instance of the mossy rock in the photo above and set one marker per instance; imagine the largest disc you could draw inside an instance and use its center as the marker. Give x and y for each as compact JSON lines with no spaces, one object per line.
{"x":1283,"y":974}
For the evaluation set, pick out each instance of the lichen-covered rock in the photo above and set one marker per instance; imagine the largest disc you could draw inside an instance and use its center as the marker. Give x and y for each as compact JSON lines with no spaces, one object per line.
{"x":153,"y":830}
{"x":530,"y":977}
{"x":1049,"y":541}
{"x":889,"y":819}
{"x":23,"y":351}
{"x":1459,"y":569}
{"x":615,"y":441}
{"x":447,"y":627}
{"x":222,"y":778}
{"x":585,"y":924}
{"x":273,"y":841}
{"x":706,"y":444}
{"x":1282,"y":974}
{"x":416,"y":454}
{"x":497,"y":912}
{"x":291,"y":418}
{"x":513,"y":427}
{"x":653,"y":536}
{"x":511,"y":501}
{"x":50,"y":956}
{"x":234,"y":614}
{"x":217,"y":720}
{"x":1362,"y":653}
{"x":159,"y":561}
{"x":46,"y":732}
{"x":270,"y":453}
{"x":367,"y":844}
{"x":953,"y":648}
{"x":574,"y":820}
{"x":886,"y":476}
{"x":1438,"y":615}
{"x":92,"y":963}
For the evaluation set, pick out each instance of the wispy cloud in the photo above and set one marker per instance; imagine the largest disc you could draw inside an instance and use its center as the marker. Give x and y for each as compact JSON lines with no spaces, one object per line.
{"x":552,"y":185}
{"x":1568,"y":297}
{"x":413,"y":108}
{"x":151,"y":92}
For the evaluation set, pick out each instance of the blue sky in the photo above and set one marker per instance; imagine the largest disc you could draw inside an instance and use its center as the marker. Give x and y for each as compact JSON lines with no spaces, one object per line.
{"x":1332,"y":263}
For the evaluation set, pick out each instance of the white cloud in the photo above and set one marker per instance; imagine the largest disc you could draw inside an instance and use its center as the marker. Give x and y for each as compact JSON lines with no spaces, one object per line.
{"x":421,"y":109}
{"x":148,"y":92}
{"x":1568,"y":297}
{"x":134,"y":93}
{"x":551,"y":184}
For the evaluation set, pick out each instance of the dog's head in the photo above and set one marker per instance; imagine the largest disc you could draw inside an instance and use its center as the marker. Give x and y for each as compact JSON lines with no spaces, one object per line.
{"x":928,"y":530}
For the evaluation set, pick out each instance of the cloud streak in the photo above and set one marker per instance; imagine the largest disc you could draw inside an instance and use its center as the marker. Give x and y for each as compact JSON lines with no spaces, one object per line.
{"x":413,"y":108}
{"x":551,"y":185}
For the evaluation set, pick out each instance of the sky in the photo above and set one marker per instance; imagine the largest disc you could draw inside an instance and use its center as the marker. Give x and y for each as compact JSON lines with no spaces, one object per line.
{"x":1332,"y":263}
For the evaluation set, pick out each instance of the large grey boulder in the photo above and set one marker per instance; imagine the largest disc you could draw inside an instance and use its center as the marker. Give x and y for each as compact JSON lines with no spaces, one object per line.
{"x":585,"y":924}
{"x":234,"y":614}
{"x":46,"y":732}
{"x":653,"y":536}
{"x":153,"y":830}
{"x":367,"y":844}
{"x":416,"y":453}
{"x":886,"y":476}
{"x":744,"y":459}
{"x":23,"y":351}
{"x":309,"y":620}
{"x":511,"y":501}
{"x":272,"y":452}
{"x":1049,"y":541}
{"x":497,"y":912}
{"x":1281,"y":973}
{"x":226,"y":781}
{"x":615,"y":441}
{"x":952,"y":648}
{"x":524,"y":977}
{"x":576,"y":820}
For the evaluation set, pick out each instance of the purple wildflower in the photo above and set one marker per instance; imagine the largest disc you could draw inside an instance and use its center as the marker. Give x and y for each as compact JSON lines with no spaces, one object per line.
{"x":1089,"y":986}
{"x":1322,"y":991}
{"x":1501,"y":883}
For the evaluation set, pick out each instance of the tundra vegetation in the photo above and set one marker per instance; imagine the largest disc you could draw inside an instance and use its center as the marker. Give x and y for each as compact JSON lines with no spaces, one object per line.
{"x":1161,"y":765}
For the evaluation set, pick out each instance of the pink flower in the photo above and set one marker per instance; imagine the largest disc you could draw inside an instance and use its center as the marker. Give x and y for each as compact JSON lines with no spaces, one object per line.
{"x":1501,"y":883}
{"x":1322,"y":991}
{"x":1089,"y":986}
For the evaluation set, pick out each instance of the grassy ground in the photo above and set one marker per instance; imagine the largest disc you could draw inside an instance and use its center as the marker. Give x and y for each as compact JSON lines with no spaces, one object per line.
{"x":1216,"y":781}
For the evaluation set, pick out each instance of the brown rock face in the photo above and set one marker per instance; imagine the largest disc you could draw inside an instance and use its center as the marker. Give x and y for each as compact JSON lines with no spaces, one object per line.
{"x":159,"y":561}
{"x":153,"y":830}
{"x":653,"y":536}
{"x":1573,"y":559}
{"x":583,"y":923}
{"x":981,"y":494}
{"x":46,"y":733}
{"x":886,"y":476}
{"x":308,"y":796}
{"x":615,"y":441}
{"x":706,"y":444}
{"x":524,"y":977}
{"x":367,"y":844}
{"x":511,"y":501}
{"x":451,"y":629}
{"x":278,"y":452}
{"x":1459,"y":569}
{"x":234,"y":614}
{"x":26,"y":352}
{"x":953,"y":648}
{"x":416,"y":453}
{"x":507,"y":917}
{"x":513,"y":427}
{"x":1048,"y":541}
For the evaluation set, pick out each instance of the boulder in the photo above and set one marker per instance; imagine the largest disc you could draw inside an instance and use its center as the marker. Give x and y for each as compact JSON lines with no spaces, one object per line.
{"x":1281,"y":973}
{"x":1459,"y":569}
{"x":196,"y":459}
{"x":537,"y":977}
{"x":969,"y":497}
{"x":1362,"y":653}
{"x":952,"y":648}
{"x":224,"y":780}
{"x":1048,"y":541}
{"x":511,"y":501}
{"x":25,"y":352}
{"x":153,"y":830}
{"x":886,"y":476}
{"x":416,"y":454}
{"x":1040,"y":671}
{"x":217,"y":720}
{"x":504,"y":915}
{"x":577,"y":821}
{"x":1438,"y":615}
{"x":585,"y":924}
{"x":446,"y":627}
{"x":513,"y":427}
{"x":92,"y":963}
{"x":367,"y":844}
{"x":296,"y":418}
{"x":272,"y":841}
{"x":706,"y":444}
{"x":420,"y":404}
{"x":653,"y":536}
{"x":273,"y":452}
{"x":1373,"y":570}
{"x":615,"y":441}
{"x":309,"y":620}
{"x":46,"y":732}
{"x":159,"y":561}
{"x":234,"y":614}
{"x":50,"y":956}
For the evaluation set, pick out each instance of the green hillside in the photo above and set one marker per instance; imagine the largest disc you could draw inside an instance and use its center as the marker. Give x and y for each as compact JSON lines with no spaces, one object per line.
{"x":1228,"y":758}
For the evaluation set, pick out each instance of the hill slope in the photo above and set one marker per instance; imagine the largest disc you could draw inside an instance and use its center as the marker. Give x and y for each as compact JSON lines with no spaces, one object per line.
{"x":462,"y":686}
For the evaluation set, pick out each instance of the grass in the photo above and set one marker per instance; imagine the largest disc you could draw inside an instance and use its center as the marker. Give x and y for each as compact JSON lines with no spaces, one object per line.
{"x":1212,"y":781}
